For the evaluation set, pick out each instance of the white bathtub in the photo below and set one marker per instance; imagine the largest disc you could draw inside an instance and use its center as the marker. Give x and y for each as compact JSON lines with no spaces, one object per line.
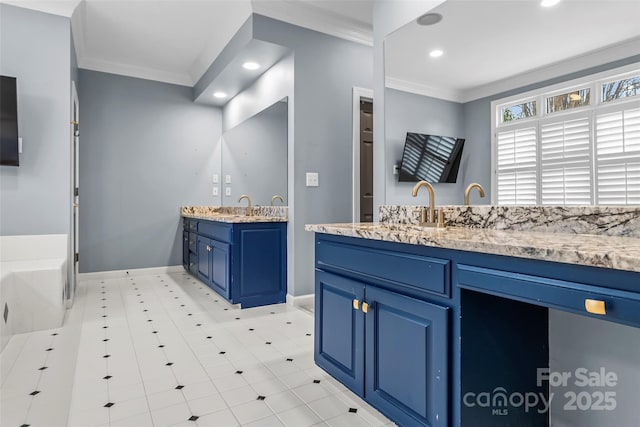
{"x":33,"y":275}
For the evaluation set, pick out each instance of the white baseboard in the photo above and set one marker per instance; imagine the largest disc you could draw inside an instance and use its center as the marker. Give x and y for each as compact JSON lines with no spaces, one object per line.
{"x":308,"y":299}
{"x":118,"y":274}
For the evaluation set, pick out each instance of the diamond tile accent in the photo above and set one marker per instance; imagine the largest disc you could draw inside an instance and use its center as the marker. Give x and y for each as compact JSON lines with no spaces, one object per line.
{"x":42,"y":368}
{"x":216,"y":393}
{"x":353,"y":410}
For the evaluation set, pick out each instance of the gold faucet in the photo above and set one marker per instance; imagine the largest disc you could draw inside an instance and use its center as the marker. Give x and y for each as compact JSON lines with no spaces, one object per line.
{"x":276,"y":197}
{"x":249,"y":209}
{"x":467,"y":192}
{"x":428,"y":217}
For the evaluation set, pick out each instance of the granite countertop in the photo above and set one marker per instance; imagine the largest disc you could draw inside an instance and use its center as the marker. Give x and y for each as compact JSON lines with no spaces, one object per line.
{"x":233,"y":219}
{"x":236,"y":214}
{"x":622,"y":253}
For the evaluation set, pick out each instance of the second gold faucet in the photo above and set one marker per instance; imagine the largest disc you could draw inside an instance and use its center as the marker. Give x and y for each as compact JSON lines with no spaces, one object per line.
{"x":249,"y":208}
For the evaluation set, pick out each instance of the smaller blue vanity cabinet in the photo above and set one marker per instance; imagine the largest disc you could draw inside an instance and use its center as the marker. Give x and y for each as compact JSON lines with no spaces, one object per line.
{"x":382,"y":326}
{"x":243,"y":262}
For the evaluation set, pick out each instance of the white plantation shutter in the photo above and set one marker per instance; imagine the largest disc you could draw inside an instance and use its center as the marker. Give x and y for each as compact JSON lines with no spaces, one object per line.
{"x":579,"y":150}
{"x":617,"y":148}
{"x":565,"y":165}
{"x":517,"y":166}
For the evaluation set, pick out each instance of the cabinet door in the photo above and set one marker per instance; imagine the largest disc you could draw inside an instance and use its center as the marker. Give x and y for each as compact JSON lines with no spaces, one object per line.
{"x":203,"y":263}
{"x":220,"y":268}
{"x":185,"y":250}
{"x":407,"y":358}
{"x":339,"y":329}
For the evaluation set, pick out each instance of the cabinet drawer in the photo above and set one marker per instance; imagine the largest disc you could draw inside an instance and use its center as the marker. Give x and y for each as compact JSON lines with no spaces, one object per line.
{"x":193,"y":263}
{"x":619,"y":306}
{"x":193,"y":242}
{"x":415,"y":271}
{"x":190,"y":224}
{"x":215,"y":230}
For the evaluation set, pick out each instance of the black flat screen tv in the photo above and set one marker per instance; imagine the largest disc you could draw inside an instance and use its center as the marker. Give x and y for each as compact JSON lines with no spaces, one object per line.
{"x":8,"y":122}
{"x":430,"y":158}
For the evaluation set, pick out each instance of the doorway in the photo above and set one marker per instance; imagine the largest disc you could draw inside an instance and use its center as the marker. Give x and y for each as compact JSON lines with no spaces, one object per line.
{"x":366,"y":160}
{"x":75,"y":195}
{"x":362,"y":155}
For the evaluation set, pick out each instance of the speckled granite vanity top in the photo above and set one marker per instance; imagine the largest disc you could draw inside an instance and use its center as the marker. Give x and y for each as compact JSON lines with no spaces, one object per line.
{"x":231,"y":214}
{"x":599,"y":237}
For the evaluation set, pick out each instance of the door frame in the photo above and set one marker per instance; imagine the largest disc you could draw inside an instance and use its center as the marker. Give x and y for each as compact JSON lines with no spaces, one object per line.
{"x":74,"y":208}
{"x":359,"y":94}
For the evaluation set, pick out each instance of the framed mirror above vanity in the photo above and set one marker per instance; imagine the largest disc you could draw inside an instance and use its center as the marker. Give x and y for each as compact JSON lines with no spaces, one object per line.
{"x":254,"y":157}
{"x":456,"y":75}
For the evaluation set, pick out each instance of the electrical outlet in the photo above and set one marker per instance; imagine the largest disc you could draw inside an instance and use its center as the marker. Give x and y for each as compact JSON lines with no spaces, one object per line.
{"x":312,"y":179}
{"x":227,"y":179}
{"x":215,"y":190}
{"x":215,"y":178}
{"x":227,"y":191}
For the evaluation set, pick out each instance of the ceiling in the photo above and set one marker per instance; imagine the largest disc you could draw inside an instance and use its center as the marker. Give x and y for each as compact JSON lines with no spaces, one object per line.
{"x":175,"y":41}
{"x":491,"y":45}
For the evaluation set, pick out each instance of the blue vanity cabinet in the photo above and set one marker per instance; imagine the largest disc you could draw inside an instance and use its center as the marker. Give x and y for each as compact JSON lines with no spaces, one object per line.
{"x":243,"y":262}
{"x":203,"y":256}
{"x":189,"y":247}
{"x":407,"y":358}
{"x":219,"y":263}
{"x":380,"y":331}
{"x":339,"y":329}
{"x":185,"y":250}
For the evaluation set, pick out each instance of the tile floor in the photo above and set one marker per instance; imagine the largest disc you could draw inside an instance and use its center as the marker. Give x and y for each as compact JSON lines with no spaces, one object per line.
{"x":165,"y":350}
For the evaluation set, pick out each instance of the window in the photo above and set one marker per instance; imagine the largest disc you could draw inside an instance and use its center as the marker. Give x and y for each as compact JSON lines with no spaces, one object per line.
{"x":566,"y":101}
{"x":576,"y":150}
{"x":520,"y":111}
{"x":621,"y":89}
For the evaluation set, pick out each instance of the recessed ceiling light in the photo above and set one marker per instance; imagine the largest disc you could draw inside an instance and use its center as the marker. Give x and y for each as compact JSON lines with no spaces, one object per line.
{"x":429,"y":19}
{"x":219,"y":94}
{"x":549,"y":3}
{"x":251,"y":65}
{"x":436,"y":53}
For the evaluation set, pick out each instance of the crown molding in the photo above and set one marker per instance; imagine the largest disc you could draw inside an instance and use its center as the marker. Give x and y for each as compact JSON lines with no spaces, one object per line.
{"x":422,"y":89}
{"x":317,"y":19}
{"x":182,"y":79}
{"x":591,"y":59}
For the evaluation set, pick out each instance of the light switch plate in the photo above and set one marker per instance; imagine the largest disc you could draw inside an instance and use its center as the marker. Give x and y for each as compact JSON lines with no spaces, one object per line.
{"x":395,"y":169}
{"x":227,"y":179}
{"x":215,"y":190}
{"x":215,"y":178}
{"x":227,"y":191}
{"x":20,"y":145}
{"x":312,"y":179}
